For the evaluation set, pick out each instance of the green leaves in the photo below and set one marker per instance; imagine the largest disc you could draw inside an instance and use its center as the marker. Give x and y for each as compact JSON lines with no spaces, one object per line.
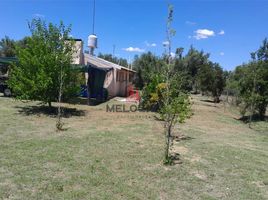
{"x":7,"y":47}
{"x":147,"y":66}
{"x":250,"y":81}
{"x":179,"y":108}
{"x":45,"y":53}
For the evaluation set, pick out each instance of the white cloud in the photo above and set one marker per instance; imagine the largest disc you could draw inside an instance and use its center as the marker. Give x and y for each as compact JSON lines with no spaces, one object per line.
{"x":38,"y":15}
{"x":221,"y":32}
{"x":203,"y":34}
{"x":150,"y":44}
{"x":133,"y":49}
{"x":165,"y":43}
{"x":222,"y":53}
{"x":190,"y":23}
{"x":172,"y":55}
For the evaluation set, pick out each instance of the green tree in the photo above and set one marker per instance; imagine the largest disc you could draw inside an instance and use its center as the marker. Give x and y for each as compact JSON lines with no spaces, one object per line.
{"x":251,"y":82}
{"x":194,"y":60}
{"x":253,"y":88}
{"x":262,"y":52}
{"x":147,"y":66}
{"x":205,"y":78}
{"x":211,"y":79}
{"x":7,"y":47}
{"x":218,"y":82}
{"x":44,"y":60}
{"x":180,"y":67}
{"x":232,"y":84}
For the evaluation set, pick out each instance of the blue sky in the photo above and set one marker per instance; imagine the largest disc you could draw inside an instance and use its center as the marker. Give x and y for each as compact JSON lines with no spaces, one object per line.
{"x":228,"y":30}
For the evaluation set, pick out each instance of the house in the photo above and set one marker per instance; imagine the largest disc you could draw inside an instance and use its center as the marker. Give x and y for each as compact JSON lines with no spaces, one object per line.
{"x":104,"y":79}
{"x":104,"y":76}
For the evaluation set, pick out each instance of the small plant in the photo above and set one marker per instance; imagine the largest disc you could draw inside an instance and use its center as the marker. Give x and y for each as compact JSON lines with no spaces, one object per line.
{"x":59,"y":125}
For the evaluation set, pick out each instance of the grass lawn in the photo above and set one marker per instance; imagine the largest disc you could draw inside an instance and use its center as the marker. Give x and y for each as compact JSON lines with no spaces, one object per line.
{"x":119,"y":156}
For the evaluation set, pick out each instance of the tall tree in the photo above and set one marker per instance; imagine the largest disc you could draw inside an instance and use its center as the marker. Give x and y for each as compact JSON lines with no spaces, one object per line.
{"x":47,"y":54}
{"x":251,"y":81}
{"x":253,"y":88}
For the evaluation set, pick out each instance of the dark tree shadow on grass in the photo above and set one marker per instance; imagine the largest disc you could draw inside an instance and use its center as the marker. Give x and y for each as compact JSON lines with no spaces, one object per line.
{"x":84,"y":101}
{"x":52,"y":112}
{"x":210,"y":101}
{"x":255,"y":118}
{"x":181,"y":137}
{"x":207,"y":100}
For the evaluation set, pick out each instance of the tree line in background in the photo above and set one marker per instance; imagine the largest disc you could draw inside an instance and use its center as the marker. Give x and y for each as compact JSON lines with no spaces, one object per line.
{"x":8,"y":46}
{"x":196,"y":74}
{"x":247,"y":84}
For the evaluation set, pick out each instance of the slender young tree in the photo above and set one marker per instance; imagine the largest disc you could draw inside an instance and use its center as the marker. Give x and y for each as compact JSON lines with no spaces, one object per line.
{"x":59,"y":123}
{"x":176,"y":105}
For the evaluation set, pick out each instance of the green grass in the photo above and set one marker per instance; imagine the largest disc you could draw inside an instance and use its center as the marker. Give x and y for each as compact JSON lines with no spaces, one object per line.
{"x":119,"y":156}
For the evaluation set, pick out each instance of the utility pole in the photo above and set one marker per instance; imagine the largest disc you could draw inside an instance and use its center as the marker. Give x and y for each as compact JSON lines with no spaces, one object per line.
{"x":93,"y":18}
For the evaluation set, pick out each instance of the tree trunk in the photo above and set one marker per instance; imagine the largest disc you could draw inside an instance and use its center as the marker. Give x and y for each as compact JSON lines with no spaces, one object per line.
{"x":50,"y":106}
{"x":168,"y":141}
{"x":262,"y":111}
{"x":216,"y":99}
